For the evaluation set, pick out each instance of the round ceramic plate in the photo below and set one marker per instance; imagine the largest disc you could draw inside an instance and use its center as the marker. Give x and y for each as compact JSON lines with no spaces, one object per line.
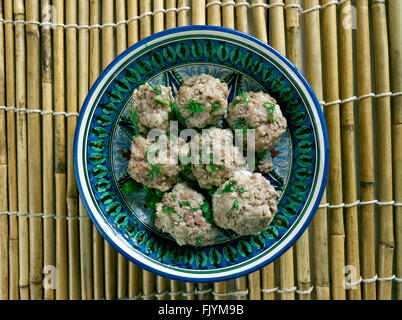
{"x":104,"y":132}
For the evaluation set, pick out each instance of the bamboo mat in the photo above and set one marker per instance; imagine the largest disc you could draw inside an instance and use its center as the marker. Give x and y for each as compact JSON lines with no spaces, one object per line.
{"x":52,"y":51}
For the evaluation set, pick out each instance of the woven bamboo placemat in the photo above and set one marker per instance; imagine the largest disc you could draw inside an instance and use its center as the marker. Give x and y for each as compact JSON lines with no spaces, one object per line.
{"x":52,"y":51}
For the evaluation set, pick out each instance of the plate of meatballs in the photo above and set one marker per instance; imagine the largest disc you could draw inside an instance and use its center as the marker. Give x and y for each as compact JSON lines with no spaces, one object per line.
{"x":201,"y":154}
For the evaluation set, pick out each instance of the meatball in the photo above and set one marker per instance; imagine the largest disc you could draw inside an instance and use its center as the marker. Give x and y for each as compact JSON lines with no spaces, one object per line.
{"x":156,"y":164}
{"x":259,"y":111}
{"x":202,"y":100}
{"x":265,"y":166}
{"x":246,"y":203}
{"x":181,"y":215}
{"x":151,"y":107}
{"x":214,"y":158}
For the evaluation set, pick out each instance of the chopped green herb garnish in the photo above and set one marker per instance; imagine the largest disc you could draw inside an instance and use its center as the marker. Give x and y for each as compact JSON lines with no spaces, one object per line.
{"x":212,"y":191}
{"x":186,"y":203}
{"x":187,"y":169}
{"x":174,"y":197}
{"x":168,"y":210}
{"x":216,"y":106}
{"x":174,"y":111}
{"x":198,"y":241}
{"x":156,"y":88}
{"x":213,"y":168}
{"x":161,"y":101}
{"x":244,"y":130}
{"x":244,"y":97}
{"x":239,"y":123}
{"x":194,"y":107}
{"x":206,"y":211}
{"x":156,"y":170}
{"x":235,"y":205}
{"x":134,"y":119}
{"x":228,"y":187}
{"x":270,"y":107}
{"x":241,"y":190}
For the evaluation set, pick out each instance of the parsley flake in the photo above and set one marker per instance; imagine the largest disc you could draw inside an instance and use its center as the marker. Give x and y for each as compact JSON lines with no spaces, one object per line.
{"x":270,"y":107}
{"x":194,"y":107}
{"x":134,"y":119}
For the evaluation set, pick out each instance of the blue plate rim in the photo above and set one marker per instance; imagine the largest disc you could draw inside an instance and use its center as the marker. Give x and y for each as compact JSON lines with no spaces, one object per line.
{"x":200,"y":28}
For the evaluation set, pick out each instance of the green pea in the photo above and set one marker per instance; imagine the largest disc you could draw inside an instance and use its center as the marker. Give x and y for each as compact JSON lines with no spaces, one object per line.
{"x":152,"y":202}
{"x":159,"y":193}
{"x":130,"y":187}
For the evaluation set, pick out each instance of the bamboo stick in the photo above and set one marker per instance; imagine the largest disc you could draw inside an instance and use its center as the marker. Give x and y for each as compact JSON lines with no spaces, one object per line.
{"x":158,"y":16}
{"x":228,"y":14}
{"x":121,"y":33}
{"x":34,"y":153}
{"x":161,"y":288}
{"x":22,"y":162}
{"x":241,"y":285}
{"x":220,"y":289}
{"x":132,"y":26}
{"x":10,"y":227}
{"x":133,"y":280}
{"x":258,"y":17}
{"x":384,"y":153}
{"x":107,"y":57}
{"x":213,"y":18}
{"x":145,"y":21}
{"x":395,"y":41}
{"x":60,"y":155}
{"x":254,"y":285}
{"x":148,"y":284}
{"x":260,"y":31}
{"x":329,"y":24}
{"x":268,"y":282}
{"x":174,"y":290}
{"x":198,"y":12}
{"x":190,"y":291}
{"x":302,"y":249}
{"x":85,"y":225}
{"x":302,"y":245}
{"x":213,"y":13}
{"x":277,"y":35}
{"x":121,"y":277}
{"x":365,"y":146}
{"x":314,"y":76}
{"x":94,"y":68}
{"x":133,"y":270}
{"x":72,"y":194}
{"x":348,"y":144}
{"x":241,"y":17}
{"x":3,"y":173}
{"x":47,"y":147}
{"x":170,"y":15}
{"x":182,"y":14}
{"x":204,"y":288}
{"x":242,"y":25}
{"x":121,"y":45}
{"x":276,"y":26}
